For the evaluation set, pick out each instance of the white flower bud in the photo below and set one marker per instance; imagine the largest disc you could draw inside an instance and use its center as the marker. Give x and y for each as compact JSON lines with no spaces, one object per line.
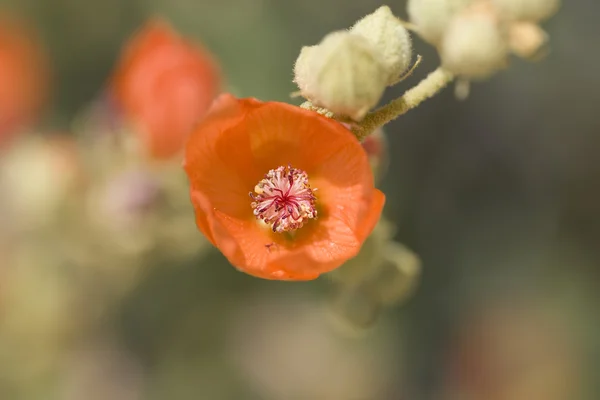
{"x":344,"y":74}
{"x":36,"y":177}
{"x":432,"y":17}
{"x":302,"y":69}
{"x":386,"y":33}
{"x":527,"y":10}
{"x":474,"y":45}
{"x":526,"y":39}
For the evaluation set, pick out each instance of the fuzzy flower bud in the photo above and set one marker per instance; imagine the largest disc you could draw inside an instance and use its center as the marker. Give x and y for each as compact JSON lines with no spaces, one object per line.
{"x":526,"y":39}
{"x":344,"y":74}
{"x":432,"y":17}
{"x":302,"y":69}
{"x":474,"y":45}
{"x":527,"y":10}
{"x":386,"y":33}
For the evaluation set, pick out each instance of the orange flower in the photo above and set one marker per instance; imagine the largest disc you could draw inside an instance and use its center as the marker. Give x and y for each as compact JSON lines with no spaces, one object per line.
{"x":297,"y":166}
{"x":23,"y":77}
{"x":164,"y":84}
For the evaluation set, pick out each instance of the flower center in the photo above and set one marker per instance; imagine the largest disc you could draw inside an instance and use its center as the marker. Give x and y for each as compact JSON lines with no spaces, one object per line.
{"x":284,"y":199}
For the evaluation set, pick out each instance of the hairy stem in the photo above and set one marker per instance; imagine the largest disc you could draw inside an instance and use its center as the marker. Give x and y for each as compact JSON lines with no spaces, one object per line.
{"x":426,"y":89}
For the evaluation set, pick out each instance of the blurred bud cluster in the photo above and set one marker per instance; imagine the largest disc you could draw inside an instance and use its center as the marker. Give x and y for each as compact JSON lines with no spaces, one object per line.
{"x":475,"y":37}
{"x":85,"y":212}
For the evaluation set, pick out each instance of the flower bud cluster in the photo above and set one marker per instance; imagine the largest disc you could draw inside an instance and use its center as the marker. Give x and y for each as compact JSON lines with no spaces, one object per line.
{"x":348,"y":71}
{"x":475,"y":37}
{"x":383,"y":274}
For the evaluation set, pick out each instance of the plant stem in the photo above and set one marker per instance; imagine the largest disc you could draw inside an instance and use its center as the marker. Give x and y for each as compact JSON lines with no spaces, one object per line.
{"x":428,"y":87}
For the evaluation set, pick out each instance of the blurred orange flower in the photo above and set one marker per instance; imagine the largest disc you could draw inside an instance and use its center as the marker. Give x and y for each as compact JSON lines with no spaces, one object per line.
{"x":23,"y":76}
{"x":295,"y":164}
{"x":164,"y":85}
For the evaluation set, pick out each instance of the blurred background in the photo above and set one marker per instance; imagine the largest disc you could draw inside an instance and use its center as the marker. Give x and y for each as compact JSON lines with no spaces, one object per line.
{"x":107,"y":290}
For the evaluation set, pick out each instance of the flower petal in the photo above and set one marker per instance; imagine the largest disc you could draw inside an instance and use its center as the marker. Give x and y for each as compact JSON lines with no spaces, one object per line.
{"x":372,"y":215}
{"x":258,"y":251}
{"x":216,"y":162}
{"x":282,"y":134}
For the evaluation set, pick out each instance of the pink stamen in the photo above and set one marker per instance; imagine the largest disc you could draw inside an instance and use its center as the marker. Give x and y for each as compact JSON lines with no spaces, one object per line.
{"x":284,"y":199}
